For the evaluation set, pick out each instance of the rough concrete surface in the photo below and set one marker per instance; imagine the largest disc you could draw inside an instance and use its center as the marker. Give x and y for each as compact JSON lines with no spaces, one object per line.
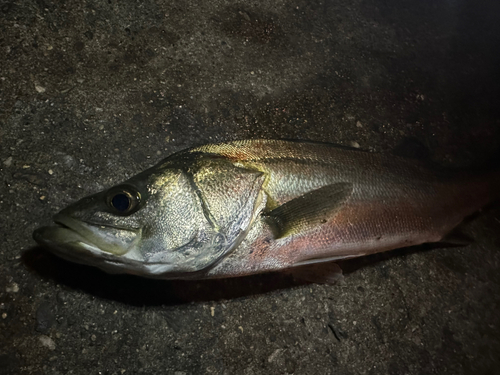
{"x":92,"y":92}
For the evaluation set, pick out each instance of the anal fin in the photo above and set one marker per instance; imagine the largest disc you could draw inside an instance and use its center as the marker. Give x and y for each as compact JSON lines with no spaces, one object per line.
{"x":318,"y":273}
{"x":457,"y":238}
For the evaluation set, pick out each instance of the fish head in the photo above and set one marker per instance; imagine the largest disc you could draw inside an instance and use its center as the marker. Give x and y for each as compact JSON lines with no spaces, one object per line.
{"x":167,"y":222}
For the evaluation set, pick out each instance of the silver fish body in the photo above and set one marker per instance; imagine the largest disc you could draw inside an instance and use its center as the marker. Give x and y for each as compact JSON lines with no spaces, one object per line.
{"x":253,"y":206}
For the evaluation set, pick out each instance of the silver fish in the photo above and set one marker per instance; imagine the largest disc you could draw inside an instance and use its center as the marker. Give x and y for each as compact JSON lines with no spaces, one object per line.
{"x":251,"y":206}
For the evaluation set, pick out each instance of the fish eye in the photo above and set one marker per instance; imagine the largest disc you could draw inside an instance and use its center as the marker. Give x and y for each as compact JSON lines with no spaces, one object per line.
{"x":123,"y":200}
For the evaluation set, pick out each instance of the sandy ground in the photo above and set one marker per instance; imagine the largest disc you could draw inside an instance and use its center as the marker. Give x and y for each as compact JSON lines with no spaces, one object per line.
{"x":92,"y":92}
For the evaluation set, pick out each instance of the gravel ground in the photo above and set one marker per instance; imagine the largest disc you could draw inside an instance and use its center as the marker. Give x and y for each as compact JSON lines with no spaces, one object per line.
{"x":92,"y":92}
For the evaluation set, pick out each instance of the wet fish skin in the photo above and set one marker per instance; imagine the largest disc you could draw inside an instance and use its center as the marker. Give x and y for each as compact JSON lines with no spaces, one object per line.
{"x":253,"y":206}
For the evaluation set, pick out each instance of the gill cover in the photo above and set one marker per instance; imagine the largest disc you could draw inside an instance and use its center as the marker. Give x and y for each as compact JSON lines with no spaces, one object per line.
{"x":227,"y":199}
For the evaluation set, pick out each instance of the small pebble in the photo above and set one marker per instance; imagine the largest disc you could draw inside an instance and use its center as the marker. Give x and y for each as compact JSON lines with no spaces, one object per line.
{"x":39,"y":89}
{"x":355,"y":144}
{"x":51,"y":172}
{"x":12,"y":288}
{"x":48,"y":342}
{"x":62,"y":297}
{"x":359,"y":125}
{"x":8,"y":162}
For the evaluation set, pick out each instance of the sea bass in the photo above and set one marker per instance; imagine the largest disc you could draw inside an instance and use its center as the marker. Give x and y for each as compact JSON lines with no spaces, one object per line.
{"x":251,"y":206}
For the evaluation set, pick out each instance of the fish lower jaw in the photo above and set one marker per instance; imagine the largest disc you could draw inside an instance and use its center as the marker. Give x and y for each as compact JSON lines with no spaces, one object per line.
{"x":69,"y":245}
{"x":108,"y":239}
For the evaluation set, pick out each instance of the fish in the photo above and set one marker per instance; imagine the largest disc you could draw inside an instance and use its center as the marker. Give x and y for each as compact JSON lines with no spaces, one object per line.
{"x":252,"y":206}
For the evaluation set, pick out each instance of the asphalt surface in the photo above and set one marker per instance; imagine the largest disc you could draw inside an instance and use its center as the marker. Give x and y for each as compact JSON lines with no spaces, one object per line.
{"x":92,"y":92}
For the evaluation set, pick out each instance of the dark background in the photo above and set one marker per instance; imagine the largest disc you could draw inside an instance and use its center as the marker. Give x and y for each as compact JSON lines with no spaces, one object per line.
{"x":92,"y":92}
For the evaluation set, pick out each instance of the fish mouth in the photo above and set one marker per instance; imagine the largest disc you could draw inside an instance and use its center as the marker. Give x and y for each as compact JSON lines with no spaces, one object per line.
{"x":84,"y":243}
{"x":78,"y":239}
{"x":67,"y":244}
{"x":107,"y":239}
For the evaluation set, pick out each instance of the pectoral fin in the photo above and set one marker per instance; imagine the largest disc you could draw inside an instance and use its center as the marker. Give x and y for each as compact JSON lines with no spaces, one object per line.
{"x":309,"y":210}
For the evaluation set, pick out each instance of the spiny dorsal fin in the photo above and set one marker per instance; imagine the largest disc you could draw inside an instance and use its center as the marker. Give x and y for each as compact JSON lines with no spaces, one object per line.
{"x":309,"y":210}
